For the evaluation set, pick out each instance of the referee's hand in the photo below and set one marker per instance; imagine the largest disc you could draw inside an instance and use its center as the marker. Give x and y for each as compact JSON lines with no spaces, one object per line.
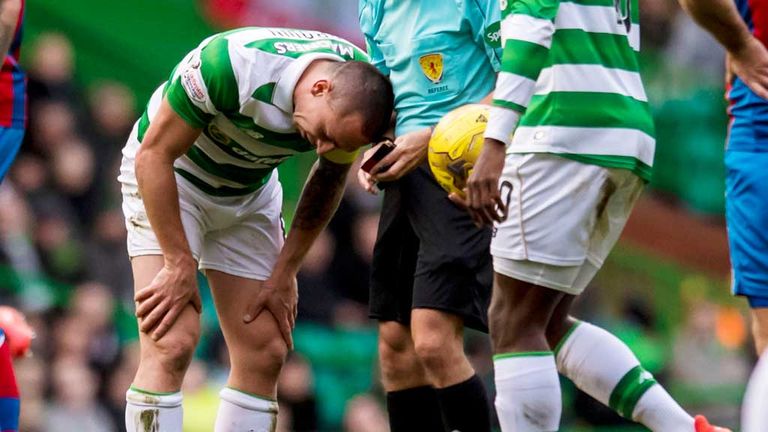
{"x":483,"y":200}
{"x":410,"y":151}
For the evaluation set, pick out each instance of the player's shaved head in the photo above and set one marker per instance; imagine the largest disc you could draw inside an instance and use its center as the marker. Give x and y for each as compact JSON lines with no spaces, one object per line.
{"x":359,"y":87}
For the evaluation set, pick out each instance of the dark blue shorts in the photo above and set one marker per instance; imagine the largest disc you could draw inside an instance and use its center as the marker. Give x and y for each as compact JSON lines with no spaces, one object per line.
{"x":10,"y":142}
{"x":746,"y":209}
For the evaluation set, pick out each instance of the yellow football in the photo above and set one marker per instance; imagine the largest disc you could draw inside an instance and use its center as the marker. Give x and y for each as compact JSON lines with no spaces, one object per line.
{"x":456,"y":144}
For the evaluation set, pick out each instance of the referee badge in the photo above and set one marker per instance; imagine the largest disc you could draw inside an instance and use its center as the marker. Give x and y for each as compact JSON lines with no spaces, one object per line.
{"x":432,"y":66}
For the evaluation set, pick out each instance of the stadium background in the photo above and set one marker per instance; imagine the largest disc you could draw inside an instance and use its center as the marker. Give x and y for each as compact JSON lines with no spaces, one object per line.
{"x":92,"y":66}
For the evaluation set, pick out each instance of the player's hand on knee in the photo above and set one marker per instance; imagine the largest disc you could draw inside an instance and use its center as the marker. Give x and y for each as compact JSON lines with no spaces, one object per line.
{"x":483,"y":199}
{"x":160,"y":303}
{"x":279,"y":295}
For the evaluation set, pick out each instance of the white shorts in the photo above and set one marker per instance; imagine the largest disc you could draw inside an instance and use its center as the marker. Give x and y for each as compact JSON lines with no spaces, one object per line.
{"x":241,"y":236}
{"x":564,"y":219}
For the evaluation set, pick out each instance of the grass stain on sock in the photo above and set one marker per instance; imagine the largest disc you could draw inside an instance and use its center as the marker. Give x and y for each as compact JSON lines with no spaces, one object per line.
{"x":148,"y":419}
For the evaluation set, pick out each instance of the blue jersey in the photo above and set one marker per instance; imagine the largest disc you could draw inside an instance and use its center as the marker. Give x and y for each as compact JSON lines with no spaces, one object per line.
{"x":749,"y":112}
{"x":438,"y":55}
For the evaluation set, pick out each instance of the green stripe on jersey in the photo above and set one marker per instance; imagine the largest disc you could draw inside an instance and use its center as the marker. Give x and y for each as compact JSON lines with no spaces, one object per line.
{"x":218,"y":75}
{"x":588,"y":109}
{"x":245,"y":176}
{"x":294,"y":48}
{"x":544,"y":9}
{"x":524,"y":58}
{"x":222,"y":191}
{"x":574,"y":46}
{"x":629,"y":390}
{"x":509,"y":105}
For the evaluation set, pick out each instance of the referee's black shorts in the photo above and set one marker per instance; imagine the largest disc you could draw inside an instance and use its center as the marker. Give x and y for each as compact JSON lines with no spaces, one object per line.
{"x":429,"y":254}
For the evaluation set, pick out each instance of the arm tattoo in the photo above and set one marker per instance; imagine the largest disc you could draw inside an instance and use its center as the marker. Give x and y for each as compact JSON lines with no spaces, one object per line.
{"x":321,"y":195}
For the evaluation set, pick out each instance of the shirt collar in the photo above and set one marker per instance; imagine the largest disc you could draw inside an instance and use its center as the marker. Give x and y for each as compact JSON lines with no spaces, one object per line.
{"x":285,"y":86}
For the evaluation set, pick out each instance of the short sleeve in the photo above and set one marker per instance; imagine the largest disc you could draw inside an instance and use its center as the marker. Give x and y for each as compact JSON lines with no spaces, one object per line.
{"x":204,"y":84}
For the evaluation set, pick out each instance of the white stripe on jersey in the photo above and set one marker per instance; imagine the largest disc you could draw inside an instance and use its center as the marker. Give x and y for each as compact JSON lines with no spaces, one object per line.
{"x":527,"y":28}
{"x":589,"y":78}
{"x":595,"y":19}
{"x":514,"y":88}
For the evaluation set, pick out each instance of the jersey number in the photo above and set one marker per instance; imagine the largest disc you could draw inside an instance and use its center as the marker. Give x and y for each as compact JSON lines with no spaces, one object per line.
{"x":623,"y":13}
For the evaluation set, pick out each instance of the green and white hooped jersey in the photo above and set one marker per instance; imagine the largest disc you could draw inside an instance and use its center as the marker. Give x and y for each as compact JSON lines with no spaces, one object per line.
{"x":238,"y":87}
{"x":570,"y":73}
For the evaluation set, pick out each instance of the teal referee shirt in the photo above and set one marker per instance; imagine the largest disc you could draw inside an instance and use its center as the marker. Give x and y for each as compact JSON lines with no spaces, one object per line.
{"x":438,"y":54}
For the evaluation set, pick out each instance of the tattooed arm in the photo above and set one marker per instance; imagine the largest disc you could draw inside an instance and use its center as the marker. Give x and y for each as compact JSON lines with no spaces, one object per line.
{"x":319,"y":200}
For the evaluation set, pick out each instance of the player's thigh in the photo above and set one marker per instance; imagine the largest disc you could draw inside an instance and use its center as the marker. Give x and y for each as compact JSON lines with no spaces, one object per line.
{"x":174,"y":350}
{"x":258,"y":341}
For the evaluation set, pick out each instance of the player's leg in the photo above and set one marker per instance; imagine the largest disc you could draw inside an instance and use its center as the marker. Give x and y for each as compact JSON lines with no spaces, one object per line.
{"x":154,"y":398}
{"x":257,"y":351}
{"x":411,"y":400}
{"x":438,"y":339}
{"x":556,"y":212}
{"x":596,"y":361}
{"x":602,"y":366}
{"x":527,"y":386}
{"x":451,"y":290}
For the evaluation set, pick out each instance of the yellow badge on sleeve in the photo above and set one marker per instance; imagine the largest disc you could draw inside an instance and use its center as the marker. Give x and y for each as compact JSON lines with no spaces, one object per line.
{"x":432,"y":66}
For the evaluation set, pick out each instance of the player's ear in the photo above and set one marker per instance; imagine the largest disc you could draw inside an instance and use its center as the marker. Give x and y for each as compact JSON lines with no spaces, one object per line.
{"x":321,"y":87}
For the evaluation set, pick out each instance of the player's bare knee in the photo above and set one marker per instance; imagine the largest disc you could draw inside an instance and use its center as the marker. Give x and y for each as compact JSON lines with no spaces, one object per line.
{"x":264,"y":355}
{"x":174,"y":351}
{"x":435,"y":352}
{"x":394,"y":336}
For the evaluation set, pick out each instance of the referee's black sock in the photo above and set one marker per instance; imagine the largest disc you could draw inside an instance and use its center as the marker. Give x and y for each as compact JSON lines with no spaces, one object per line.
{"x":465,"y":406}
{"x":414,"y":410}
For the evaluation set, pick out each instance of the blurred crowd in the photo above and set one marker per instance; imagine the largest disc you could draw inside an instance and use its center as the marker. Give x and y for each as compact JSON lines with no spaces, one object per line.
{"x":63,"y":262}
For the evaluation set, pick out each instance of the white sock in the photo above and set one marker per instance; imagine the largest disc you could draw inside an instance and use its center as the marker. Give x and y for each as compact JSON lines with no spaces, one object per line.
{"x":240,"y":412}
{"x":149,"y":411}
{"x":754,"y":416}
{"x":527,"y":392}
{"x":602,"y":366}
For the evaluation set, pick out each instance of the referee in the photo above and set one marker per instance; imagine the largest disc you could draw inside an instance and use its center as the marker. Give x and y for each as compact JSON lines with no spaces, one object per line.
{"x":432,"y":272}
